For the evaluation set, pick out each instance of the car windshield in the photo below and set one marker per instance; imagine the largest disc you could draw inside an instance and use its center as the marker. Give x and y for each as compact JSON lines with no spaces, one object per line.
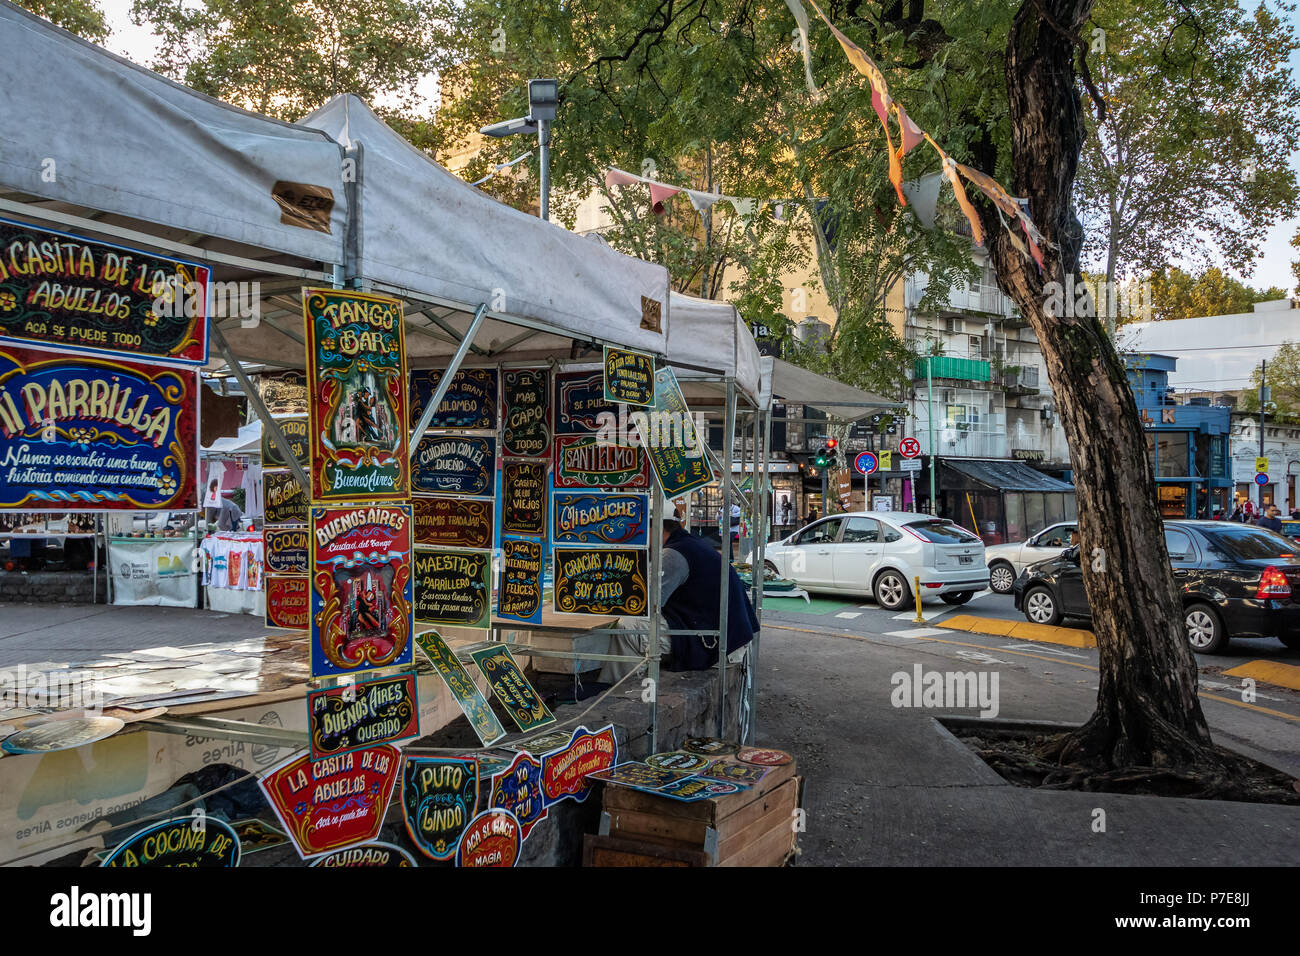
{"x":1248,"y":544}
{"x":942,"y":532}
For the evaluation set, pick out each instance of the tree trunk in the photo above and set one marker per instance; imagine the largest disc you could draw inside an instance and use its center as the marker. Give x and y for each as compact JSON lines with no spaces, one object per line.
{"x":1148,"y":713}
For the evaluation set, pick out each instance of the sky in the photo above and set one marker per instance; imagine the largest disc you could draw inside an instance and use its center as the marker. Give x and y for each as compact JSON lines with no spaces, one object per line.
{"x":1274,"y":268}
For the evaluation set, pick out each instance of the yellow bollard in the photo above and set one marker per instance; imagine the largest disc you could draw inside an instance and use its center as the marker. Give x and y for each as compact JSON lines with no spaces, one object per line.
{"x":916,"y":589}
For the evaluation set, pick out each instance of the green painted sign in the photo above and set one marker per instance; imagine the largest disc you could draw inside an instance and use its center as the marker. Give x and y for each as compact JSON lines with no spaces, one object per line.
{"x":512,"y":688}
{"x":680,"y":463}
{"x":458,"y":680}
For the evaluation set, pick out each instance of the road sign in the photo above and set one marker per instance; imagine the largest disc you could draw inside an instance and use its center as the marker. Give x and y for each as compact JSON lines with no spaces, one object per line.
{"x":909,"y":448}
{"x":1261,"y":465}
{"x":866,"y":463}
{"x":1261,"y":479}
{"x":910,"y":464}
{"x":886,"y":459}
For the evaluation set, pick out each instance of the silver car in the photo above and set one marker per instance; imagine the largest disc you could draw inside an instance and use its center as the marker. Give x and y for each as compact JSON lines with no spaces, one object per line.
{"x":879,"y":553}
{"x":1006,"y":561}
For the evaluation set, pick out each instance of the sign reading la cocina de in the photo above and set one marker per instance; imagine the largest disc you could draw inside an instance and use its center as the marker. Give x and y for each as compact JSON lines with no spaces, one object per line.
{"x":189,"y":841}
{"x":601,"y":581}
{"x":526,"y":417}
{"x":96,"y":433}
{"x":62,"y":290}
{"x":285,"y":550}
{"x":597,"y":518}
{"x":364,"y":714}
{"x":356,"y":364}
{"x":361,"y":589}
{"x":470,"y":401}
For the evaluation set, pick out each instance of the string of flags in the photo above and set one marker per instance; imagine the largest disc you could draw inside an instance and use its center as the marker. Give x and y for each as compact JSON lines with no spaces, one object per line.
{"x":500,"y":167}
{"x":746,"y":208}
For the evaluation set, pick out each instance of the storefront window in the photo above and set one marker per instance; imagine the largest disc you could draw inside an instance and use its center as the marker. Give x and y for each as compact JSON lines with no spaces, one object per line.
{"x":1015,"y":503}
{"x":1173,"y":500}
{"x":1034,"y":522}
{"x":1171,"y":454}
{"x":1071,"y":507}
{"x":1054,"y":508}
{"x":1218,"y":457}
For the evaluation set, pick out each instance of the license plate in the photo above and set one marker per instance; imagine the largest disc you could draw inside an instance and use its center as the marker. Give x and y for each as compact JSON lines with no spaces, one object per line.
{"x":966,"y":558}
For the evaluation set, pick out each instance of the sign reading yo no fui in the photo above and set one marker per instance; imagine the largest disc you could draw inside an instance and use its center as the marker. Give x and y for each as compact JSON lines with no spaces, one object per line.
{"x":356,"y":358}
{"x":601,"y":581}
{"x":96,"y":433}
{"x":629,"y":377}
{"x":62,"y":290}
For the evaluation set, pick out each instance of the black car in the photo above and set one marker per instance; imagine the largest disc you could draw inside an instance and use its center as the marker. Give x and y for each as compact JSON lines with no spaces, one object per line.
{"x":1237,"y":581}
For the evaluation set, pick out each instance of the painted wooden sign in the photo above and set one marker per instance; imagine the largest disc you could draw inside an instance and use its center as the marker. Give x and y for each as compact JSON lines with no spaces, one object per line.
{"x":439,"y":799}
{"x":579,"y":401}
{"x":296,"y":433}
{"x":288,"y":601}
{"x":681,"y":464}
{"x":356,"y":364}
{"x":764,"y":757}
{"x":518,"y":789}
{"x":639,"y":775}
{"x":693,"y":789}
{"x":188,"y":841}
{"x":284,"y":500}
{"x":584,"y":461}
{"x":453,"y":588}
{"x":284,"y":393}
{"x":64,"y":291}
{"x":526,"y":414}
{"x":595,"y":518}
{"x":361,"y":589}
{"x":364,"y":714}
{"x":285,"y":550}
{"x":470,"y":402}
{"x":519,"y":585}
{"x":458,"y":680}
{"x":383,"y":856}
{"x":565,"y":770}
{"x":493,"y":838}
{"x":741,"y":773}
{"x":512,"y":688}
{"x":709,"y":746}
{"x":601,"y":581}
{"x":629,"y":377}
{"x":325,"y":805}
{"x":96,"y":434}
{"x":455,"y":465}
{"x":454,"y":522}
{"x":678,"y":760}
{"x":523,"y":498}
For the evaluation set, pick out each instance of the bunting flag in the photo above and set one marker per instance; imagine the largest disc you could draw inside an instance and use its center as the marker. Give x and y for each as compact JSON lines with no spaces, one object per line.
{"x":503,"y":166}
{"x":924,"y":194}
{"x":702,"y":201}
{"x":659,"y":193}
{"x":746,"y":208}
{"x":801,"y":18}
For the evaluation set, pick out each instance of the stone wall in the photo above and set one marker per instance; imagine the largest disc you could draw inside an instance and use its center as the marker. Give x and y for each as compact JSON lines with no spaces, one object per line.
{"x":50,"y":587}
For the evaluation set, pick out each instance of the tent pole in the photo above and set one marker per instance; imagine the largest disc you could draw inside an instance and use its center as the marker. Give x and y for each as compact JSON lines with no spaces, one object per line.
{"x":270,"y":424}
{"x":445,"y":382}
{"x":759,"y":563}
{"x":724,"y":603}
{"x":652,"y":652}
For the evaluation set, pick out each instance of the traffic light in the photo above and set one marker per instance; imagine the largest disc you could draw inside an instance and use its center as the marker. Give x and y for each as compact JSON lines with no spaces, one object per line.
{"x":826,"y":455}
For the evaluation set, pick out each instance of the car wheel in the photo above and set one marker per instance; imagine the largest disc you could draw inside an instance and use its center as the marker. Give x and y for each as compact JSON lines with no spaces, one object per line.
{"x":958,"y":597}
{"x":772,"y":568}
{"x":1204,"y":629}
{"x":1040,"y":607}
{"x":1002,"y":577}
{"x":892,"y":591}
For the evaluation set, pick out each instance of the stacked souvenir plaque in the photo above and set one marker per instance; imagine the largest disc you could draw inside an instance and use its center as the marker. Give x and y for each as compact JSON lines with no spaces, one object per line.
{"x":284,"y":533}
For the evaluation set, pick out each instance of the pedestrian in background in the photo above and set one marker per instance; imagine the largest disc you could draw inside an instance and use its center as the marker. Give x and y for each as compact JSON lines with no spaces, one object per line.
{"x":1272,"y":520}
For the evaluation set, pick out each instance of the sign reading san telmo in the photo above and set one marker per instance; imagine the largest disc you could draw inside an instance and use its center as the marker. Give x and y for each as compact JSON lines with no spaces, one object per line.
{"x":600,"y":518}
{"x":60,"y":289}
{"x":584,"y":461}
{"x":96,"y":433}
{"x":470,"y":400}
{"x":356,"y":362}
{"x":600,"y":581}
{"x":526,"y":419}
{"x":629,"y":377}
{"x":363,"y":714}
{"x":455,"y":465}
{"x":361,"y":589}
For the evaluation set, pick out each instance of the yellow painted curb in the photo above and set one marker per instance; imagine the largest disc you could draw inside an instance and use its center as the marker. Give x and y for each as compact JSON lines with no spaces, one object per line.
{"x":1022,"y":630}
{"x":1269,"y":672}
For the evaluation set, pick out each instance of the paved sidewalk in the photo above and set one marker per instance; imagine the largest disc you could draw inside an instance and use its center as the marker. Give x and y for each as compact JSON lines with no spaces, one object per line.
{"x":889,"y":785}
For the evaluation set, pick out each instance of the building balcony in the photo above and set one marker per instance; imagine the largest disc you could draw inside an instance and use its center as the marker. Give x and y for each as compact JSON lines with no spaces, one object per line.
{"x":956,"y":369}
{"x":1021,"y":381}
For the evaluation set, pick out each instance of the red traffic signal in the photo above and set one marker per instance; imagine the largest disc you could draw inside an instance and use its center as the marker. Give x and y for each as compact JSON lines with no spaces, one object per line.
{"x":832,"y":444}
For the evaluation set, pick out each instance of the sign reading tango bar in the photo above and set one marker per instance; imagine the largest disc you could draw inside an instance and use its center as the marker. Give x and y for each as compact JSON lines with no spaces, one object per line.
{"x":96,"y":433}
{"x":356,"y":358}
{"x":62,"y":290}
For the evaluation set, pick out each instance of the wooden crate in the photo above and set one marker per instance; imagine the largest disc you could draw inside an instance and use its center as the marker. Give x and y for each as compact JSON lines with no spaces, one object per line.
{"x":750,"y":828}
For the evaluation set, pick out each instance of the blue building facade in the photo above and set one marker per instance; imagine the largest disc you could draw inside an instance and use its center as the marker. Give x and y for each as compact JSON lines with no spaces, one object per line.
{"x":1187,"y":443}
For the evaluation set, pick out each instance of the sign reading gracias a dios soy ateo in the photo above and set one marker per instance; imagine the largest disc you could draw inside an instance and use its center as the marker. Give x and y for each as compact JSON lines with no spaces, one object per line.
{"x":603,"y":581}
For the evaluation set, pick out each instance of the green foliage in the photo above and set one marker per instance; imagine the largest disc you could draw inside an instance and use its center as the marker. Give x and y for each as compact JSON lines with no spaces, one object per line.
{"x":82,"y":17}
{"x":1283,"y":382}
{"x":1177,"y":295}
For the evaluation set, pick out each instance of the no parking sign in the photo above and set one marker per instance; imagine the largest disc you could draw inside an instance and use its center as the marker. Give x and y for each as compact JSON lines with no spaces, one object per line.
{"x":866,"y":463}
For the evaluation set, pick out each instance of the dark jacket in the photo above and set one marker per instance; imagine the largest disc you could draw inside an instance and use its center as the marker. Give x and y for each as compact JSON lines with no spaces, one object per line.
{"x":1272,"y":524}
{"x":694,"y":606}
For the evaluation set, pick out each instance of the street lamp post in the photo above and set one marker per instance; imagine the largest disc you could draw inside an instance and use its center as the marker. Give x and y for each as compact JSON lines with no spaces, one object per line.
{"x":543,"y":103}
{"x":929,"y":413}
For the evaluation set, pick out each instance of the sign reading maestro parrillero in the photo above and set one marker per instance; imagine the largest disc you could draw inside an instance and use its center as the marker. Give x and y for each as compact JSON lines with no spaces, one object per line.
{"x":356,"y":359}
{"x":96,"y":433}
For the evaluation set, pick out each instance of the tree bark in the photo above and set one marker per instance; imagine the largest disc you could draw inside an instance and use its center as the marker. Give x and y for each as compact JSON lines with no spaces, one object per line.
{"x":1148,"y":712}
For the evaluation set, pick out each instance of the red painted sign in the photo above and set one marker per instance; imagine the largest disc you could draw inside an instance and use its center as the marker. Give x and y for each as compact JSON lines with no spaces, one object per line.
{"x":287,"y":601}
{"x":492,"y":839}
{"x":564,"y":772}
{"x":332,"y":803}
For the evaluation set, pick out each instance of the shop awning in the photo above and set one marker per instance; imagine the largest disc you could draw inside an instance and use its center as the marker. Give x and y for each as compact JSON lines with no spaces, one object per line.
{"x":710,"y":335}
{"x":1000,"y":475}
{"x":784,"y":382}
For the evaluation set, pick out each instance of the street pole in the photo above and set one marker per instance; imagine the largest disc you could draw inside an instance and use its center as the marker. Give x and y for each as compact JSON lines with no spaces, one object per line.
{"x":544,"y":164}
{"x":1263,"y":397}
{"x":929,"y":405}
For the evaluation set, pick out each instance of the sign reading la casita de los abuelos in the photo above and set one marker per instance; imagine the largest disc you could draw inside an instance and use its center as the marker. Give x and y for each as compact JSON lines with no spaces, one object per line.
{"x":96,"y":433}
{"x":356,"y":365}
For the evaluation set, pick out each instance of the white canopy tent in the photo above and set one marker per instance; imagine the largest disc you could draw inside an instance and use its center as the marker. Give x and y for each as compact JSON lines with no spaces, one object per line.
{"x":709,"y":341}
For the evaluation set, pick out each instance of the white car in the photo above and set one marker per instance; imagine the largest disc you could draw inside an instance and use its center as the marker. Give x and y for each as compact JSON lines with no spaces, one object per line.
{"x":1006,"y":561}
{"x":878,"y":553}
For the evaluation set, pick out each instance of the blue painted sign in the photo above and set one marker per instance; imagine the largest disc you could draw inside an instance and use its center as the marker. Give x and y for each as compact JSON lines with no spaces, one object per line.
{"x":519,"y":789}
{"x":1261,"y":479}
{"x":470,"y":401}
{"x":189,"y":841}
{"x":519,"y":585}
{"x":579,"y":400}
{"x":866,"y":463}
{"x":455,"y":465}
{"x":596,"y":518}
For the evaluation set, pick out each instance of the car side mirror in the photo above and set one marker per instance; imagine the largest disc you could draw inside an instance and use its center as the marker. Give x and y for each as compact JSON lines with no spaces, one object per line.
{"x":1072,"y":554}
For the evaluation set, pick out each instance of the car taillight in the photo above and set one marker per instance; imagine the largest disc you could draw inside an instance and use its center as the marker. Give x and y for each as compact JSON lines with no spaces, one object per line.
{"x":1273,"y":584}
